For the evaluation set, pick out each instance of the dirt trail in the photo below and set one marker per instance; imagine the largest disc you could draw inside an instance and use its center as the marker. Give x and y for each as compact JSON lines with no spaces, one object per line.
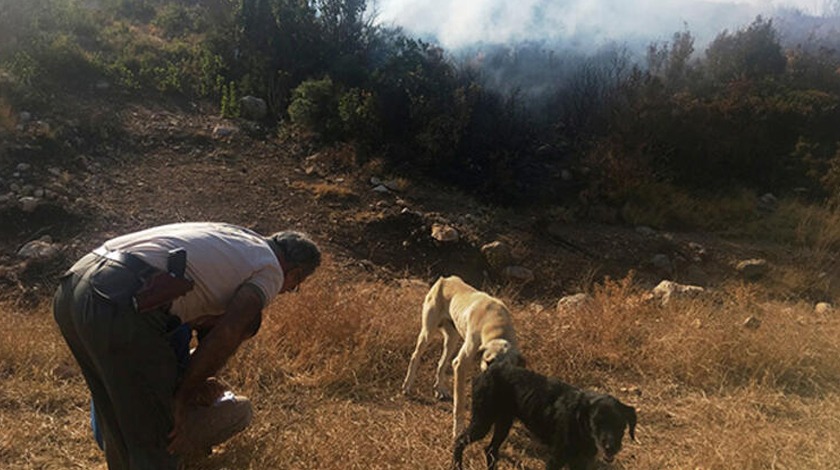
{"x":116,"y":169}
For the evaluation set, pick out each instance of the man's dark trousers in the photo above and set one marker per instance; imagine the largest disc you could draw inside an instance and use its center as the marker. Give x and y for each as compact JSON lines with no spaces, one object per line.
{"x":125,"y":357}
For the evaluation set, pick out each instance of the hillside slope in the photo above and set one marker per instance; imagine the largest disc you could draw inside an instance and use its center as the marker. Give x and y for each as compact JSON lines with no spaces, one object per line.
{"x":103,"y":165}
{"x":324,"y":371}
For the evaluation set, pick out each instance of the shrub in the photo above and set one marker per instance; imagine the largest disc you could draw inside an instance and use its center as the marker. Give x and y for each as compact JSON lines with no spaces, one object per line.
{"x":136,"y":60}
{"x":230,"y":101}
{"x":8,"y":120}
{"x":177,"y":20}
{"x":753,"y":52}
{"x":831,"y":179}
{"x":314,"y":107}
{"x":357,"y":109}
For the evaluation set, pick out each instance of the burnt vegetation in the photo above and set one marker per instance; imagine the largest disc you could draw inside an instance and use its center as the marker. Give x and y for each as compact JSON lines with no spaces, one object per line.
{"x":528,"y":123}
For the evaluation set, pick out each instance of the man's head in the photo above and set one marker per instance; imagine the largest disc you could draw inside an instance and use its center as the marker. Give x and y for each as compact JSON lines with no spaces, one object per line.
{"x":298,"y":255}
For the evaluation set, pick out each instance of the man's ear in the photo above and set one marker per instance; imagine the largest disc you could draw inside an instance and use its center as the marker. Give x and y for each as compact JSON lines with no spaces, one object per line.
{"x":292,"y":275}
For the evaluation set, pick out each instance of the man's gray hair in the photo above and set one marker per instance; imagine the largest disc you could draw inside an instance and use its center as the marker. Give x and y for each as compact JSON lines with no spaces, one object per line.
{"x":297,"y":250}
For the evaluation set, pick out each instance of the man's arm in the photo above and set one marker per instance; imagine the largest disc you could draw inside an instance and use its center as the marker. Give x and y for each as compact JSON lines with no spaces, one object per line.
{"x":221,"y":341}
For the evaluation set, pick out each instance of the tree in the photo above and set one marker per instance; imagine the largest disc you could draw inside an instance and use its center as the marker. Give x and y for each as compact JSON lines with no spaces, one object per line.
{"x":831,"y":8}
{"x":751,"y":53}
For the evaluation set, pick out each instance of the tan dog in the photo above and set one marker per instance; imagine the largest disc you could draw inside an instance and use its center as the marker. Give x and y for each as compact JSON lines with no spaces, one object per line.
{"x":458,"y":309}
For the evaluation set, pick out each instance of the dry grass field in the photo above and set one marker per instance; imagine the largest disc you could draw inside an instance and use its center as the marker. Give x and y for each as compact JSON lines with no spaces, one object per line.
{"x":324,"y":374}
{"x":324,"y":371}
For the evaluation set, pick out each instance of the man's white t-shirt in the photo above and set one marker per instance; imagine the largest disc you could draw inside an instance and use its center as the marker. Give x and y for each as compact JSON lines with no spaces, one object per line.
{"x":220,"y":259}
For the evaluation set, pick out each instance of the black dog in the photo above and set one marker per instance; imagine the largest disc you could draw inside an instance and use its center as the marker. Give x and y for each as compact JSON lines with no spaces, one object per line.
{"x":573,"y":423}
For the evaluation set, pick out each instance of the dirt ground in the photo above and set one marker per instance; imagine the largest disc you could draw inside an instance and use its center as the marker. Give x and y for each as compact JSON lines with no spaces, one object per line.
{"x":114,"y":168}
{"x":113,"y":164}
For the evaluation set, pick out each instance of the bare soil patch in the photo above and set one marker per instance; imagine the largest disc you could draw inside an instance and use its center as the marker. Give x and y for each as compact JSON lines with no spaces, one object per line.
{"x":325,"y":369}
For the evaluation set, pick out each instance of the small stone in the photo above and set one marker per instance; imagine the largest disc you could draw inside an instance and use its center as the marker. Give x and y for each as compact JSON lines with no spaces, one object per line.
{"x":645,"y":231}
{"x":28,"y":203}
{"x":444,"y":233}
{"x":498,"y":254}
{"x":573,"y":302}
{"x":823,"y":308}
{"x":518,"y":273}
{"x":38,"y":249}
{"x":752,"y":269}
{"x":752,"y":323}
{"x":632,"y":390}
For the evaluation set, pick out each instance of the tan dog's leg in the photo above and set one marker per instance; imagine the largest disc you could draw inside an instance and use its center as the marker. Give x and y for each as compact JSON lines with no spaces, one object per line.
{"x":450,"y":347}
{"x":429,"y":320}
{"x":461,"y":366}
{"x":422,"y":342}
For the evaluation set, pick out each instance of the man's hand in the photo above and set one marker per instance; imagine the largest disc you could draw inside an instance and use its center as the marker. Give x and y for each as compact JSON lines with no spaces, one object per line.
{"x":204,"y":395}
{"x":209,"y":392}
{"x":231,"y":329}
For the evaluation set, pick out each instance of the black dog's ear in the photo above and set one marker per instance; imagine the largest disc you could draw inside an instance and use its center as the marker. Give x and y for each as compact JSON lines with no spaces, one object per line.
{"x":520,"y":361}
{"x":629,"y":414}
{"x":582,"y":412}
{"x":479,"y":355}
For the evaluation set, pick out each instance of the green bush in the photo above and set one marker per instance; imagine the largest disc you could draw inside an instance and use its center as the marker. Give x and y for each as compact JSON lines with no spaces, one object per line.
{"x":230,"y":101}
{"x":357,"y":109}
{"x":177,"y":20}
{"x":314,"y":107}
{"x":751,"y":53}
{"x":135,"y":61}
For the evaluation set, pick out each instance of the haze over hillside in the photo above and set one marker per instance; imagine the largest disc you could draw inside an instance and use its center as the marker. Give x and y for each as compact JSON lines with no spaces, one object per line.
{"x":585,"y":25}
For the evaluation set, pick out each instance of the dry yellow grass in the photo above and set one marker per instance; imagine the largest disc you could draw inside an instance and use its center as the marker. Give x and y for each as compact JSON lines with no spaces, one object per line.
{"x":325,"y":370}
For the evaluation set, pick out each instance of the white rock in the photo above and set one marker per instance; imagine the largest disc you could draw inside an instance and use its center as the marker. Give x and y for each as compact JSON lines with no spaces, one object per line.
{"x":518,"y":273}
{"x":753,"y":269}
{"x":752,"y":323}
{"x":28,"y":203}
{"x":38,"y":249}
{"x":665,"y":291}
{"x":223,"y":130}
{"x":823,"y":307}
{"x":444,"y":233}
{"x":498,"y":254}
{"x":574,"y":302}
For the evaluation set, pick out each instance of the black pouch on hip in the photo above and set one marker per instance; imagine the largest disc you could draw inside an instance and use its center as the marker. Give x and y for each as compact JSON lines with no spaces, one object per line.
{"x":162,"y":288}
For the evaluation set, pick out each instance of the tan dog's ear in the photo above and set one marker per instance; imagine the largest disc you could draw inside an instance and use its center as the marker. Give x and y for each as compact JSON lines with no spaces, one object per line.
{"x":479,"y":355}
{"x":482,"y":359}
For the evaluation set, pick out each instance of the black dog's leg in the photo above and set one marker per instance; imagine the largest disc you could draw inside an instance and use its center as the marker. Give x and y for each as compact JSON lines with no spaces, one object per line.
{"x":478,"y":428}
{"x":582,"y":464}
{"x":556,"y":458}
{"x":500,"y":433}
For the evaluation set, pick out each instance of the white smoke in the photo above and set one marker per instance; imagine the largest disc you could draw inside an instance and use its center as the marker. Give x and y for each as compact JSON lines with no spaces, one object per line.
{"x":585,"y":24}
